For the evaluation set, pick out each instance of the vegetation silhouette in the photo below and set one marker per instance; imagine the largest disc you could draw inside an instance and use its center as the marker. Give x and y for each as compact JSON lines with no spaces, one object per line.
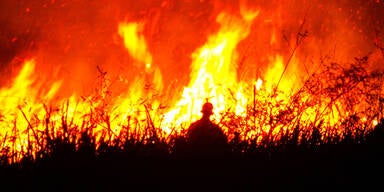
{"x":61,"y":166}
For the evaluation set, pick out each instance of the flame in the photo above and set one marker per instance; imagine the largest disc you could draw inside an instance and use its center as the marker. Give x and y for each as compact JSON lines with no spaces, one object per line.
{"x":375,"y":122}
{"x":23,"y":106}
{"x":258,"y":84}
{"x":213,"y":72}
{"x":135,"y":42}
{"x":144,"y":87}
{"x":261,"y":104}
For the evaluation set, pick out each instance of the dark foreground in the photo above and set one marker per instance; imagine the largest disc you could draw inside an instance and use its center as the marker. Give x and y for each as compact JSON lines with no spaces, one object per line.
{"x":327,"y":167}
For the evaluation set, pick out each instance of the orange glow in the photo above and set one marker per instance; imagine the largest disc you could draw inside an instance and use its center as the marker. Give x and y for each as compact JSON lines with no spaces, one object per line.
{"x":243,"y":63}
{"x":258,"y":84}
{"x":375,"y":122}
{"x":23,"y":106}
{"x":135,"y":42}
{"x":213,"y":72}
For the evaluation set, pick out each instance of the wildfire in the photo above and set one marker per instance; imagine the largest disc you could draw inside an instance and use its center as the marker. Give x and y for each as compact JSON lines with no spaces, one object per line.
{"x":269,"y":103}
{"x":213,"y":73}
{"x":23,"y":107}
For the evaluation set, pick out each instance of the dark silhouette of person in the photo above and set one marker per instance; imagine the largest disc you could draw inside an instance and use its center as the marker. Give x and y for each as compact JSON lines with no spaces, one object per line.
{"x":205,"y":137}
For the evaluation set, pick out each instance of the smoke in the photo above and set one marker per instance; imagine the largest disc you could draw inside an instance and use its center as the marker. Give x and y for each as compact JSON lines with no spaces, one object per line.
{"x":73,"y":40}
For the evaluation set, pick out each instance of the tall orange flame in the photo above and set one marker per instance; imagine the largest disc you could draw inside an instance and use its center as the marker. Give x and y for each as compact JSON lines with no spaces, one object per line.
{"x":214,"y":72}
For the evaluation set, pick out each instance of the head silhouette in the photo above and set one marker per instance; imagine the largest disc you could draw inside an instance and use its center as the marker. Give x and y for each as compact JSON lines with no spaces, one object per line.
{"x":207,"y":109}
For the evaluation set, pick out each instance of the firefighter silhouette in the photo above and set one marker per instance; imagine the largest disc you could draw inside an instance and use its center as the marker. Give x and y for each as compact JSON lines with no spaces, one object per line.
{"x":206,"y":137}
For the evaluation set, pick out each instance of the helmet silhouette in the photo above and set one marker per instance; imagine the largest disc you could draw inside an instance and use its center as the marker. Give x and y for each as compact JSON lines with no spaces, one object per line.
{"x":207,"y":108}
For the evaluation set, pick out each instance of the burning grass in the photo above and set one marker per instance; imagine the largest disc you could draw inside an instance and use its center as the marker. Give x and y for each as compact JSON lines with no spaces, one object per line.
{"x":335,"y":105}
{"x":286,"y":121}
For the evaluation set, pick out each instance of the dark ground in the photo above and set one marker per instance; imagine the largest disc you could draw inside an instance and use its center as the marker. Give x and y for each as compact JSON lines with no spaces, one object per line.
{"x":343,"y":166}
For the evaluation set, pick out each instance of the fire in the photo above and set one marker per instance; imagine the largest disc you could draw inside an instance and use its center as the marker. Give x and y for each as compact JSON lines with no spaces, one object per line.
{"x":258,"y":84}
{"x":271,"y":96}
{"x":135,"y":42}
{"x":375,"y":122}
{"x":214,"y":72}
{"x":23,"y":106}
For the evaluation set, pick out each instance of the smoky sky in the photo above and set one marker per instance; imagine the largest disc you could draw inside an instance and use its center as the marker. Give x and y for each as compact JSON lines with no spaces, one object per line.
{"x":72,"y":37}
